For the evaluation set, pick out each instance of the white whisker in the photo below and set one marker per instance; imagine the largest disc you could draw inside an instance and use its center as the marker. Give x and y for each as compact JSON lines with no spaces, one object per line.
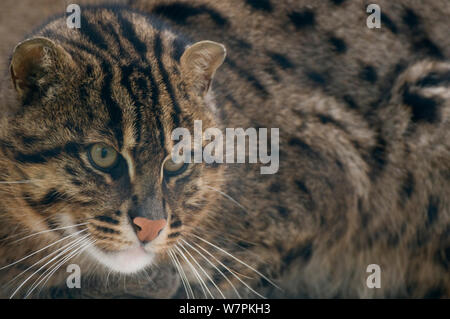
{"x":17,"y":234}
{"x":76,"y":243}
{"x":44,"y":258}
{"x":238,"y":260}
{"x":48,"y":231}
{"x":227,"y":196}
{"x":170,"y":253}
{"x":36,"y":252}
{"x":202,"y":269}
{"x":43,"y":266}
{"x":189,"y":291}
{"x":231,"y":272}
{"x":197,"y":275}
{"x":215,"y":267}
{"x":107,"y":277}
{"x":82,"y":247}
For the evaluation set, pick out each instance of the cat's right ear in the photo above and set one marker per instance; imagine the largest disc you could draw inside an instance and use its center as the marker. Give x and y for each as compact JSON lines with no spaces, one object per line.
{"x":200,"y":61}
{"x":36,"y":64}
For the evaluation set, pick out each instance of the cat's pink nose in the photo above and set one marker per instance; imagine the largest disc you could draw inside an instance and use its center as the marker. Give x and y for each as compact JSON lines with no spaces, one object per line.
{"x":149,"y":229}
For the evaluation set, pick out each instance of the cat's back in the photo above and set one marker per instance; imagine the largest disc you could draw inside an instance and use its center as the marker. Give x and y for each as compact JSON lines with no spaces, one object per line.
{"x":276,"y":46}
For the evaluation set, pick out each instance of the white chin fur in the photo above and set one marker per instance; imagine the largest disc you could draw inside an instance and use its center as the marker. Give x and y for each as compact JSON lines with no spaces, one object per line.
{"x":127,"y":261}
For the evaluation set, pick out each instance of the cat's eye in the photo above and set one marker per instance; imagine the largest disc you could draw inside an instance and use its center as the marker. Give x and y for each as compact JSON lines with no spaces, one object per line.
{"x":172,"y":168}
{"x":103,"y":156}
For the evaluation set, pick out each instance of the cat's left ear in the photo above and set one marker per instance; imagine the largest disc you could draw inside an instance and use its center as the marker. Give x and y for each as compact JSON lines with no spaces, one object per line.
{"x":36,"y":63}
{"x":199,"y":63}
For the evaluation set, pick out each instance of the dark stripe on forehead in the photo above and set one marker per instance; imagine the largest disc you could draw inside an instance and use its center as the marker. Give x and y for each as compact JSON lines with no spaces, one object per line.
{"x":154,"y":89}
{"x":144,"y":89}
{"x":94,"y":37}
{"x":111,"y":30}
{"x":129,"y":33}
{"x":140,"y":47}
{"x":113,"y":109}
{"x":158,"y":50}
{"x":126,"y":72}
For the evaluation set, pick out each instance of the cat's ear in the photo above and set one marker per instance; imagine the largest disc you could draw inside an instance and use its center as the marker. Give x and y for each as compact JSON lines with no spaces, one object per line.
{"x":35,"y":64}
{"x":200,"y":61}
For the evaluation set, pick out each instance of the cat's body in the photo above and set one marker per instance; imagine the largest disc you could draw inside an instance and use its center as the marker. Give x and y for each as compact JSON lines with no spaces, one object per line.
{"x":364,"y":126}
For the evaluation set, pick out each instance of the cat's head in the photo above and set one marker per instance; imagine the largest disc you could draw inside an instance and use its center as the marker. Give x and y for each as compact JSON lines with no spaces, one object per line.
{"x":91,"y":139}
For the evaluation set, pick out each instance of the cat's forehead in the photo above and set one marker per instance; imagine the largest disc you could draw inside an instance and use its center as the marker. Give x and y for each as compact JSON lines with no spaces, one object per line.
{"x":123,"y":36}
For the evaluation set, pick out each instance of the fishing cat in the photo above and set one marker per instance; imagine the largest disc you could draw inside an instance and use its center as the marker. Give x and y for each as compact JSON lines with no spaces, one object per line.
{"x":364,"y":151}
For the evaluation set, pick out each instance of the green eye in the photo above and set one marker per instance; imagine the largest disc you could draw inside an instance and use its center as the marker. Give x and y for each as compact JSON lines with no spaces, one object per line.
{"x":102,"y":156}
{"x":171,"y":168}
